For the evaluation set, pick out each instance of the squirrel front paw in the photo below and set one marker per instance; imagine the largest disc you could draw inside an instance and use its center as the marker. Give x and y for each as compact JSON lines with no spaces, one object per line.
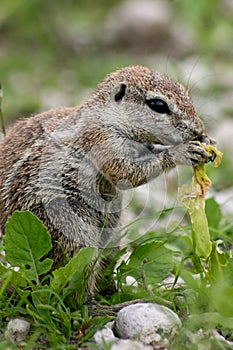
{"x":191,"y":153}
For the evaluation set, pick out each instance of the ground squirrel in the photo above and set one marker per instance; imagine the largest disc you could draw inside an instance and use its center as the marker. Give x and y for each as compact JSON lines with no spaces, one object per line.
{"x":69,"y":165}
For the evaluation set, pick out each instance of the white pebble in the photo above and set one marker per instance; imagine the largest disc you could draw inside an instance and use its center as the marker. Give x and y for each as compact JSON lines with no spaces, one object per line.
{"x":147,"y":322}
{"x":17,"y":330}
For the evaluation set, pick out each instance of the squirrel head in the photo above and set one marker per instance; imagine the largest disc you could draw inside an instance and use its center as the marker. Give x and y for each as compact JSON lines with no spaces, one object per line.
{"x":148,"y":106}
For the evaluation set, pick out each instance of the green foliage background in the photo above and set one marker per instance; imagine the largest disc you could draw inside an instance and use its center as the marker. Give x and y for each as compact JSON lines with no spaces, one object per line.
{"x":49,"y":47}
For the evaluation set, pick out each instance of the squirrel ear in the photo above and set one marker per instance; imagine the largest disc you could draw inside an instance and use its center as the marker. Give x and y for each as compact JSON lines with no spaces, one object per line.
{"x":120,"y":92}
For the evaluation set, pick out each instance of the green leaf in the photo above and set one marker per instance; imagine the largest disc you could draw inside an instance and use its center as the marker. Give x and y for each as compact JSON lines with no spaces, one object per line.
{"x":213,"y":213}
{"x":156,"y":260}
{"x":195,"y":203}
{"x":228,"y":273}
{"x":212,"y":320}
{"x":218,"y":261}
{"x":10,"y":278}
{"x":26,"y":241}
{"x":222,"y":299}
{"x":77,"y":267}
{"x":192,"y":283}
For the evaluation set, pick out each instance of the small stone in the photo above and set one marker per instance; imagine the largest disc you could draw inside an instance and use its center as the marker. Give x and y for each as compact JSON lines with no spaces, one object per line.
{"x":147,"y":322}
{"x":105,"y":336}
{"x":127,"y":344}
{"x":17,"y":330}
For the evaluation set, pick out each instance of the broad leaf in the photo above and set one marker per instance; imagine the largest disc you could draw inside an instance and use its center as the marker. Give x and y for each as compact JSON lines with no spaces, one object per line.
{"x":77,"y":267}
{"x":11,"y":277}
{"x":221,"y":297}
{"x":156,"y":260}
{"x":213,"y":213}
{"x":26,"y":241}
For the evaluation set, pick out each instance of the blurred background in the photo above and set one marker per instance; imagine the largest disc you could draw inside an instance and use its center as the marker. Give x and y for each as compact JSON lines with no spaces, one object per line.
{"x":53,"y":53}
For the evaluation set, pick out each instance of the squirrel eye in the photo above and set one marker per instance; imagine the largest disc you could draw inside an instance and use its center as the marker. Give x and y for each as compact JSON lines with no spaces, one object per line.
{"x":158,"y":105}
